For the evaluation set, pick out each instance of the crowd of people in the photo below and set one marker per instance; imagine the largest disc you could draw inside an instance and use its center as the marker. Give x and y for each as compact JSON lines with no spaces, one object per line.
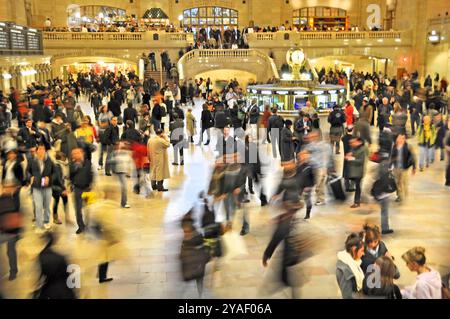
{"x":49,"y":145}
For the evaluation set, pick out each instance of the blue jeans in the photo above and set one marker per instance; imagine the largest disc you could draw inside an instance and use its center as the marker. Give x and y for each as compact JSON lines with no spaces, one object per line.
{"x":384,"y":203}
{"x":426,"y":155}
{"x":41,"y":199}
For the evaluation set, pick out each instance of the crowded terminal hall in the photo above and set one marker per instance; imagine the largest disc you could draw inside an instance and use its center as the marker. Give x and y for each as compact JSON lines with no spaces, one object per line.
{"x":224,"y":149}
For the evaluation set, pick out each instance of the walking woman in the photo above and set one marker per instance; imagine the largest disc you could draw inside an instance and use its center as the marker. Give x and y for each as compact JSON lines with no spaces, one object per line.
{"x":207,"y":121}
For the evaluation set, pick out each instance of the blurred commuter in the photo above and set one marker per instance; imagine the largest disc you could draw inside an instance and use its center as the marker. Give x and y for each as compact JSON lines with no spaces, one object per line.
{"x":159,"y":160}
{"x":54,"y":276}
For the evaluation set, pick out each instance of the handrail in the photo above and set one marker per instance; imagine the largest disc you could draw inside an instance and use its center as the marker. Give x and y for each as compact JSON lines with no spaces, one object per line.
{"x":224,"y":53}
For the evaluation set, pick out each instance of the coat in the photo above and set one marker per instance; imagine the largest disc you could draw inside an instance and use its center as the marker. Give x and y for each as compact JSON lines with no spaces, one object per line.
{"x":190,"y":124}
{"x":286,"y":145}
{"x":159,"y":158}
{"x":356,"y":166}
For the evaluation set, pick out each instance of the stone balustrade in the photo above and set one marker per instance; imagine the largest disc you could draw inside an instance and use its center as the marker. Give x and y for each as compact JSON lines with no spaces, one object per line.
{"x":114,"y":40}
{"x":306,"y":38}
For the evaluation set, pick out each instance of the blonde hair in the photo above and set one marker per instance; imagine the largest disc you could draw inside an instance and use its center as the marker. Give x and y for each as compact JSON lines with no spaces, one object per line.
{"x":415,"y":255}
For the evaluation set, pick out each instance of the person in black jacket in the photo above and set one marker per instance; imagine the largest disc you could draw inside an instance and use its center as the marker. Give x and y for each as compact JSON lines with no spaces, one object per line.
{"x":302,"y":127}
{"x":81,"y":178}
{"x":40,"y":112}
{"x":234,"y":114}
{"x":287,"y":142}
{"x":28,"y":136}
{"x":96,"y":101}
{"x":41,"y":170}
{"x":274,"y":127}
{"x":59,"y":190}
{"x":44,"y":135}
{"x":13,"y":178}
{"x":111,"y":137}
{"x":178,"y":110}
{"x":54,"y":275}
{"x":220,"y":118}
{"x":156,"y":116}
{"x":130,"y":114}
{"x":207,"y":121}
{"x":114,"y":107}
{"x":305,"y":176}
{"x":336,"y":120}
{"x":349,"y":187}
{"x":374,"y":248}
{"x":130,"y":134}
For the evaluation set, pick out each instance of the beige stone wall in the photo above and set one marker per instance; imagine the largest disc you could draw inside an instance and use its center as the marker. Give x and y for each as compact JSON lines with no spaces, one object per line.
{"x":14,"y":11}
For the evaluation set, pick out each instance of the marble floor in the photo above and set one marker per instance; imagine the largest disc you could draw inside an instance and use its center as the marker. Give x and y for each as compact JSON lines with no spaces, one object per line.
{"x":149,"y":266}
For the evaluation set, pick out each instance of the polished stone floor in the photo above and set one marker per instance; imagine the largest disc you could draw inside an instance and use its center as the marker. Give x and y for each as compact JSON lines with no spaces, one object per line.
{"x":149,"y":266}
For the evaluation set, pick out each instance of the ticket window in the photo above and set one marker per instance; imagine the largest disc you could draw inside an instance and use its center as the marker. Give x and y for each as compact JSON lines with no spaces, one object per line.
{"x":322,"y":102}
{"x":300,"y":101}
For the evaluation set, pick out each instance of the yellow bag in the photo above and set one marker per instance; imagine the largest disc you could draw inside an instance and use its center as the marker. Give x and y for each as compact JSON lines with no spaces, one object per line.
{"x":89,"y":197}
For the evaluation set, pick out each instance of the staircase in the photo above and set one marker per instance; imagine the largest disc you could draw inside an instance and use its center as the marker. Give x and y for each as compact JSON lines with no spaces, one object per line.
{"x":155,"y":75}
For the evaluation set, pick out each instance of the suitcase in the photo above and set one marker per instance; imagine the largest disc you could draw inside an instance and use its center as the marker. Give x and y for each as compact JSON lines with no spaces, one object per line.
{"x":335,"y":185}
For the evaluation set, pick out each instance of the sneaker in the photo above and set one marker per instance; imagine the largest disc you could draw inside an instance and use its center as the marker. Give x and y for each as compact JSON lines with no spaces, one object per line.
{"x":243,"y":232}
{"x":79,"y":231}
{"x":175,"y":164}
{"x":126,"y":206}
{"x":108,"y":174}
{"x":182,"y":163}
{"x":386,"y":232}
{"x":47,"y":226}
{"x":319,"y":203}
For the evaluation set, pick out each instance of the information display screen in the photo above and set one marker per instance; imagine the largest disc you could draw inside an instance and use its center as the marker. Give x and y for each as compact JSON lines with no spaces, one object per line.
{"x":15,"y":37}
{"x":33,"y":40}
{"x":4,"y":36}
{"x":18,"y":39}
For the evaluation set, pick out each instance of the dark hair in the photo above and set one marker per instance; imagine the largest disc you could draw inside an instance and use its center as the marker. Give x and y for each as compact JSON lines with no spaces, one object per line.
{"x":370,"y":233}
{"x":159,"y":131}
{"x":353,"y":240}
{"x":130,"y":123}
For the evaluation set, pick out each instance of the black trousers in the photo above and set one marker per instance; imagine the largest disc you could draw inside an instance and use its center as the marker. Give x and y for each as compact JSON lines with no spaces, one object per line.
{"x":103,"y":271}
{"x":56,"y":197}
{"x":357,"y":182}
{"x":447,"y":172}
{"x":78,"y":206}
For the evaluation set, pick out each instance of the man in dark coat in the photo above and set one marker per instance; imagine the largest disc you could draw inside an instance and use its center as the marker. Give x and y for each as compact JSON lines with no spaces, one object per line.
{"x":287,"y":142}
{"x":130,"y":114}
{"x":275,"y":125}
{"x":111,"y":137}
{"x":81,"y":178}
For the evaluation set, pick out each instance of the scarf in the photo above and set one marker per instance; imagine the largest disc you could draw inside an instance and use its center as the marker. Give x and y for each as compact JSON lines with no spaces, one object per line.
{"x":355,"y":267}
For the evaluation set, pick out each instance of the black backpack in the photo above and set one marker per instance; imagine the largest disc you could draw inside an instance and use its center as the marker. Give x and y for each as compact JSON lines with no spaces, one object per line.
{"x":163,"y":111}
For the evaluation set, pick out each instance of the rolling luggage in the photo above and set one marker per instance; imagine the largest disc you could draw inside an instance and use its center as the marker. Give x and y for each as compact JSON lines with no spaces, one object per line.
{"x":335,"y":185}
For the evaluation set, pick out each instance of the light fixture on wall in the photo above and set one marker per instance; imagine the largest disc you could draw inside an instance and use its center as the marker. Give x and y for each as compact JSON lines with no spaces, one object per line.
{"x":434,"y":37}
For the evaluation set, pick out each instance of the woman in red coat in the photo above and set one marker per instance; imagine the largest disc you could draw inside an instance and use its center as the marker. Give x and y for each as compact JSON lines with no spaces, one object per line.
{"x":349,"y":113}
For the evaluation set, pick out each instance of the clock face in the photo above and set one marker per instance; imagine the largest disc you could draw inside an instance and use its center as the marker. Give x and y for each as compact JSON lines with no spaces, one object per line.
{"x":298,"y":57}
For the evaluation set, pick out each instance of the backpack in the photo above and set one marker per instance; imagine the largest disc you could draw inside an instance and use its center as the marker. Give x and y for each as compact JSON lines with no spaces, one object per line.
{"x":163,"y":111}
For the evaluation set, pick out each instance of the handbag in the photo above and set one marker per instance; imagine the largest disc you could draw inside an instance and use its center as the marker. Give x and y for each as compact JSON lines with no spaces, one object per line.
{"x":11,"y":220}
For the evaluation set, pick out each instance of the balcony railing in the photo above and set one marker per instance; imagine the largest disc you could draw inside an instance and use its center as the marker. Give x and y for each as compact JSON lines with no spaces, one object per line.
{"x":299,"y":36}
{"x":115,"y":39}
